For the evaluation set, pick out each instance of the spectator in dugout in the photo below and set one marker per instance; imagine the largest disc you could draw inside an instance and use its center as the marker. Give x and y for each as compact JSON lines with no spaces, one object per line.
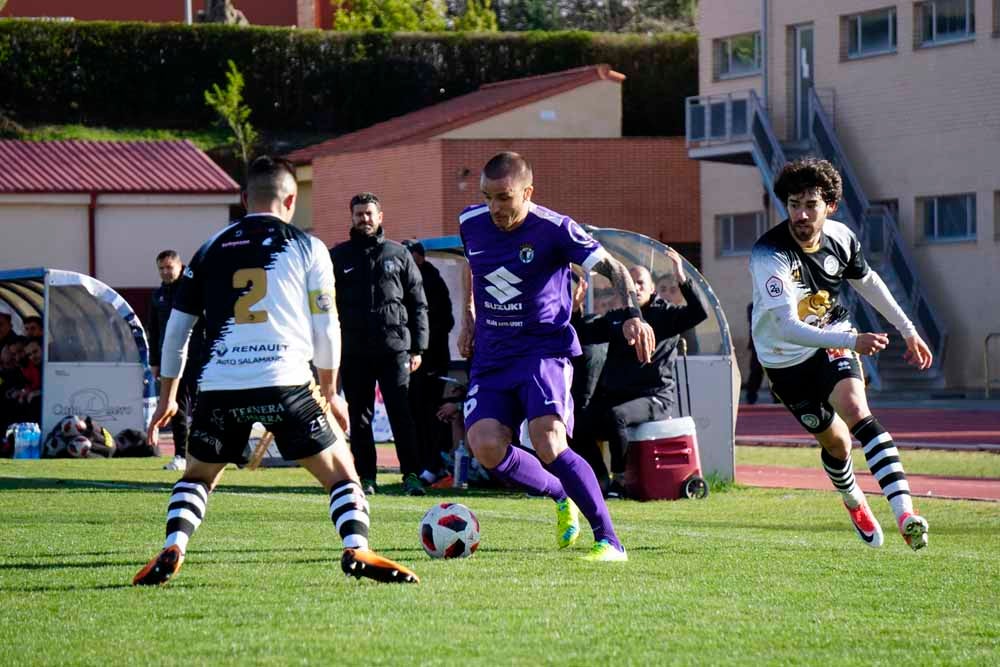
{"x":628,"y":392}
{"x":11,"y":382}
{"x":33,"y":328}
{"x":7,"y":334}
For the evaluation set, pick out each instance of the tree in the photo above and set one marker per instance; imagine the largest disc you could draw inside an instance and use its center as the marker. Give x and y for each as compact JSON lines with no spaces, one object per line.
{"x":477,"y":16}
{"x":228,"y":103}
{"x":394,"y":15}
{"x":596,"y":15}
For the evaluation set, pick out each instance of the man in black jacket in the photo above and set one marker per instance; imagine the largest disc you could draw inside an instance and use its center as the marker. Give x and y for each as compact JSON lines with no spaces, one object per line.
{"x":426,"y":385}
{"x":168,"y":263}
{"x":383,"y":321}
{"x":628,"y":392}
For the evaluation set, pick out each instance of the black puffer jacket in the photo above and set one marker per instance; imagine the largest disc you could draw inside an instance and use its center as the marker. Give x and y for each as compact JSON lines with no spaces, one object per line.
{"x":380,"y":296}
{"x":623,"y":377}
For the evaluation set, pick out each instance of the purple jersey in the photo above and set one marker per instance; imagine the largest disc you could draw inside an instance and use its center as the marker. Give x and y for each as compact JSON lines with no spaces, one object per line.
{"x":521,"y":283}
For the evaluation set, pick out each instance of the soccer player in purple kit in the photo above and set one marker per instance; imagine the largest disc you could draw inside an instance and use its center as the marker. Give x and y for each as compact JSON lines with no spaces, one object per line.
{"x":516,"y":328}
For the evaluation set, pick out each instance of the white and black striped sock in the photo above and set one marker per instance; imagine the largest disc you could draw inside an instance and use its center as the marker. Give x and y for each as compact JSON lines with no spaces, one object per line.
{"x":185,"y":512}
{"x":841,"y":473}
{"x":349,"y":513}
{"x":883,"y":461}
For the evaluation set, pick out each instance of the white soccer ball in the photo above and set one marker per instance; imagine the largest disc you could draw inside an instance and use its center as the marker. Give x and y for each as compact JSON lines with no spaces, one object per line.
{"x":72,"y":426}
{"x":78,"y":446}
{"x":449,"y":530}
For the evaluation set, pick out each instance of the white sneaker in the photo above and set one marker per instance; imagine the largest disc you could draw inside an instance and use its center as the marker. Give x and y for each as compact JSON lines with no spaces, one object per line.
{"x":177,"y":463}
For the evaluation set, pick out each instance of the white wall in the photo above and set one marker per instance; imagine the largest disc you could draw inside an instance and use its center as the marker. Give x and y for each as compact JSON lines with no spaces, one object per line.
{"x":44,"y":230}
{"x":51,"y":231}
{"x":132,"y":229}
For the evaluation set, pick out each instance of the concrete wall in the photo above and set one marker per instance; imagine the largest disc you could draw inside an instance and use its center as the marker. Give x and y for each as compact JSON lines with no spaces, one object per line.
{"x":915,"y":123}
{"x":593,"y":110}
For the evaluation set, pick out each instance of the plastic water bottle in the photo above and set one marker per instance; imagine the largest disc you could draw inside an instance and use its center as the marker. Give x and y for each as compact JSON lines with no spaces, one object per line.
{"x":21,"y":441}
{"x":461,"y":472}
{"x":35,"y":440}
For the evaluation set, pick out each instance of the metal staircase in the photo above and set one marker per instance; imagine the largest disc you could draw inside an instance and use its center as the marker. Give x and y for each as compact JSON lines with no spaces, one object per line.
{"x":735,"y":128}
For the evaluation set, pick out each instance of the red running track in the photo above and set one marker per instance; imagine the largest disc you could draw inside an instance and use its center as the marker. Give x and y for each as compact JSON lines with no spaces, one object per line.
{"x":921,"y":427}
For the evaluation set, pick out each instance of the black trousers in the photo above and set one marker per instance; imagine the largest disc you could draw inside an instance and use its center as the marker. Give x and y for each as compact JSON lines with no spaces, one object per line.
{"x":180,"y":422}
{"x":392,"y":372}
{"x":433,"y":436}
{"x":608,"y":418}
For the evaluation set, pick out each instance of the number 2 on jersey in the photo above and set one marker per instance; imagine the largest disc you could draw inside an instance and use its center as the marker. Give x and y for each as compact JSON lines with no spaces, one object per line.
{"x":256,"y":280}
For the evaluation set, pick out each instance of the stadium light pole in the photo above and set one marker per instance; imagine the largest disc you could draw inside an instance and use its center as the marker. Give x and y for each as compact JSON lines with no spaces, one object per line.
{"x":187,"y":12}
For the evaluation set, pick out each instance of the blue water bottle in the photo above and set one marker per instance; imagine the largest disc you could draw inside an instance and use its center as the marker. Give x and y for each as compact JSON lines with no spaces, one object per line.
{"x":20,"y":440}
{"x":35,"y":438}
{"x":460,"y":475}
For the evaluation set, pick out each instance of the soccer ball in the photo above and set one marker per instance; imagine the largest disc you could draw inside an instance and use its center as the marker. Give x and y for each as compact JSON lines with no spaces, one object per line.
{"x":449,"y":530}
{"x":78,"y":446}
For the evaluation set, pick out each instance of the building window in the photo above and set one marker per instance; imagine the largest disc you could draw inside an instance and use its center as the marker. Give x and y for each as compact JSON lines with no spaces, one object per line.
{"x":949,"y":217}
{"x":739,"y":231}
{"x":871,"y":33}
{"x":944,"y":21}
{"x":737,"y":56}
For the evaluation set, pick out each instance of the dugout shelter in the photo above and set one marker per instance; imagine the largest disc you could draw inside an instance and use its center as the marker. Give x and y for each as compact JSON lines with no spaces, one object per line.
{"x":95,"y":352}
{"x":708,"y":383}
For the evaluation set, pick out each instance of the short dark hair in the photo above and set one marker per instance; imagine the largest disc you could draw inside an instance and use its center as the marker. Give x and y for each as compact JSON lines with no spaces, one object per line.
{"x":414,"y":245}
{"x":266,"y":175}
{"x":32,"y":318}
{"x":508,"y":164}
{"x":364,"y":198}
{"x":807,"y":174}
{"x":6,"y":316}
{"x":167,"y":254}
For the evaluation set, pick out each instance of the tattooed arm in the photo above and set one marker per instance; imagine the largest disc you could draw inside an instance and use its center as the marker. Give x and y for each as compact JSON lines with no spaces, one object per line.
{"x":636,"y":331}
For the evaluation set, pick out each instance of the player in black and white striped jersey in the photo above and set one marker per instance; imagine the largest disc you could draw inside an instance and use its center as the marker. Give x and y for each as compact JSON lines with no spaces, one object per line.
{"x":266,"y":292}
{"x":805,"y":341}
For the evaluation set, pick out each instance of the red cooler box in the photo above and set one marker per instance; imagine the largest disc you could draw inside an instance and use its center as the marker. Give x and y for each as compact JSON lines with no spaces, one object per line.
{"x":662,"y":462}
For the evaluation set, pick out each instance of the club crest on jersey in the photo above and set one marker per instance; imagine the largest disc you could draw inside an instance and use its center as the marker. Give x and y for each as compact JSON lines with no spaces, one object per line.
{"x":389,"y":265}
{"x":527,"y":253}
{"x":774,"y":286}
{"x":831,"y":265}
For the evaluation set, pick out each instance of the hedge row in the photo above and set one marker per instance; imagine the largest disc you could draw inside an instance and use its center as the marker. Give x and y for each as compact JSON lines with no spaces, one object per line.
{"x":154,"y":75}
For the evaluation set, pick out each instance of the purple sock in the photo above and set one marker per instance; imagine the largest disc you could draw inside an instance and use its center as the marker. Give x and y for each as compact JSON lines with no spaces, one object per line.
{"x":522,"y":468}
{"x":580,"y":482}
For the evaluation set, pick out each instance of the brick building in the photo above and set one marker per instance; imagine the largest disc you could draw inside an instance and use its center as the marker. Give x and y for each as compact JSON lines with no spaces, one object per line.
{"x":425,"y":165}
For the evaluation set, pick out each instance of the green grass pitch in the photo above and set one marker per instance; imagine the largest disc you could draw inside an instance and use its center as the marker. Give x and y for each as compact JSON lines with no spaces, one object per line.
{"x":745,"y":576}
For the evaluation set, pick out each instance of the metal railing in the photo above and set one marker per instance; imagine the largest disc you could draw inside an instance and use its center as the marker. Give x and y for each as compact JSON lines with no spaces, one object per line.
{"x":718,"y":119}
{"x":877,"y":228}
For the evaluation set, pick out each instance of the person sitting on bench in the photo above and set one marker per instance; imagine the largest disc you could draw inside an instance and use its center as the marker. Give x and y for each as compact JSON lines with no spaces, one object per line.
{"x":628,"y":392}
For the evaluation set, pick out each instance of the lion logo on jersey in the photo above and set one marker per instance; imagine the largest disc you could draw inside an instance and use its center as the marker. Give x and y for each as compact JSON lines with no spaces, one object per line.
{"x":814,"y":308}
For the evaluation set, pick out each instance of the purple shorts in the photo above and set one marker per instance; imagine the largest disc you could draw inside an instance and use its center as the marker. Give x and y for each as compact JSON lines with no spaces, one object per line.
{"x":524,"y":389}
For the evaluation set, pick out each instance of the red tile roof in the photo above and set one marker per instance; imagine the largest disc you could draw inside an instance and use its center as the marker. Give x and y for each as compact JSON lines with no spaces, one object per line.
{"x":490,"y":100}
{"x":141,"y":167}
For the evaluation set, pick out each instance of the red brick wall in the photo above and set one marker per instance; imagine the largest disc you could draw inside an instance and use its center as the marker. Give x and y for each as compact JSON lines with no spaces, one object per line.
{"x":258,"y":12}
{"x":644,"y":185}
{"x":407,"y":180}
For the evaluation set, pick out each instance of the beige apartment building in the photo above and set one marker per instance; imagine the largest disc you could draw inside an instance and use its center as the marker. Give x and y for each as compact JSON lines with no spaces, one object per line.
{"x":905,"y":98}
